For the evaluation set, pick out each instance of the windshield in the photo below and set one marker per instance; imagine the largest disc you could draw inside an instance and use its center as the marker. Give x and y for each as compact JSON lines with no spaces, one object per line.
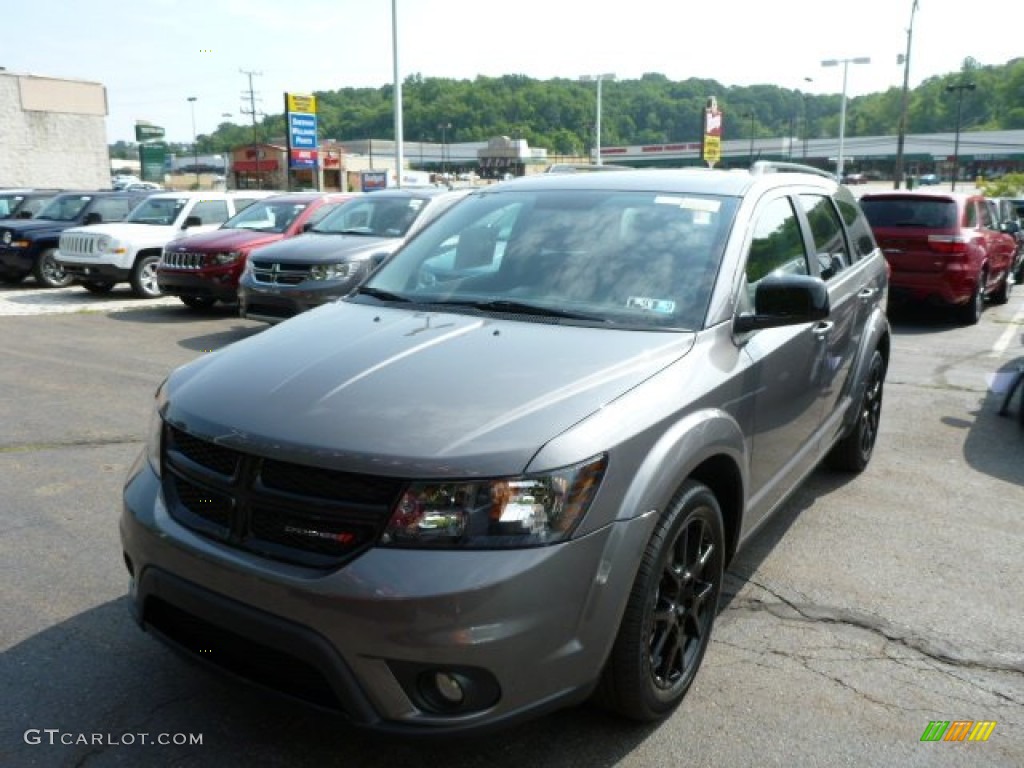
{"x":64,"y":208}
{"x":158,"y":210}
{"x":266,"y":216}
{"x":375,"y":216}
{"x":637,"y":259}
{"x":9,"y":204}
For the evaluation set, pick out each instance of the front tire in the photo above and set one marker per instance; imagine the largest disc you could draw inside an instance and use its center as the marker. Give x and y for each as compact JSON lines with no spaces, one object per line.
{"x":144,"y":282}
{"x":667,"y":624}
{"x":853,"y":452}
{"x":1002,"y":294}
{"x":50,"y":272}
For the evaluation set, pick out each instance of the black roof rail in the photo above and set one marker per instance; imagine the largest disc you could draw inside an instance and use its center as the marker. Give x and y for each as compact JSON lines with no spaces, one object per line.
{"x":774,"y":166}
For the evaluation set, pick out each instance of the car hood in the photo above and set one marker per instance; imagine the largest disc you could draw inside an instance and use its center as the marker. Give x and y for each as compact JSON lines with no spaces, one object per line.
{"x":34,"y":226}
{"x":226,"y":240}
{"x":313,"y":247}
{"x":391,"y":391}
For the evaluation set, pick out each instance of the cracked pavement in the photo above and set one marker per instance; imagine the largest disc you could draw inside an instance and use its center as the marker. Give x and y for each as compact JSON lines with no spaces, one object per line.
{"x":865,"y":608}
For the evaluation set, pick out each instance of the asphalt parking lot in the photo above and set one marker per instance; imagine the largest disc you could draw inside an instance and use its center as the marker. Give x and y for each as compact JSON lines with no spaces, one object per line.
{"x":867,"y":608}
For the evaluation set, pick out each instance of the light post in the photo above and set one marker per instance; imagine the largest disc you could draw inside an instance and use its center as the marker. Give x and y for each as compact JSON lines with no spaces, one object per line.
{"x":751,"y":116}
{"x":806,"y":126}
{"x":597,"y":123}
{"x":444,"y":146}
{"x":195,"y":145}
{"x":959,"y":88}
{"x":842,"y":109}
{"x":897,"y":179}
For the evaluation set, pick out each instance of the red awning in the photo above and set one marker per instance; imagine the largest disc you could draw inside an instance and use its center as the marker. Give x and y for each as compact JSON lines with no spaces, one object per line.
{"x":250,"y":166}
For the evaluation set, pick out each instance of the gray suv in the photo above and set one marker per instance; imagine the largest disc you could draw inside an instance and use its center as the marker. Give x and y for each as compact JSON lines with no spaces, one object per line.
{"x":506,"y":474}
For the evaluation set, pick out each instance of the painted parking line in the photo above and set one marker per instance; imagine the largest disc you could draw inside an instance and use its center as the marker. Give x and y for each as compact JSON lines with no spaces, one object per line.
{"x":1012,"y":329}
{"x":54,"y":301}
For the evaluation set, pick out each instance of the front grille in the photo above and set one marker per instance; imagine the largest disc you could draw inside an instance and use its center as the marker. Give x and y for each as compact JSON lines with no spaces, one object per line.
{"x":289,"y":512}
{"x":77,"y":245}
{"x":183,"y":260}
{"x":277,"y":273}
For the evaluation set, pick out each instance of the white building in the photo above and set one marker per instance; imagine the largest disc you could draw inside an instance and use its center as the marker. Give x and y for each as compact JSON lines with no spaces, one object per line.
{"x":53,"y":133}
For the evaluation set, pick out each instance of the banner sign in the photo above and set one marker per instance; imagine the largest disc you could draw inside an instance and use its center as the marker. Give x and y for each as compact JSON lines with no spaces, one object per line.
{"x":711,"y":135}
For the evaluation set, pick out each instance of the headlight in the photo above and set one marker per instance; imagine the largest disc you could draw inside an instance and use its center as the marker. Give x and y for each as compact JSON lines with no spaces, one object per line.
{"x":104,"y":243}
{"x":228,"y":258}
{"x":334,"y":271}
{"x":7,"y":237}
{"x":506,"y":513}
{"x":155,"y":431}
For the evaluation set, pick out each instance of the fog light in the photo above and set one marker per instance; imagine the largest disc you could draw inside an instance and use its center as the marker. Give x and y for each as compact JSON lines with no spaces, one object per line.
{"x":449,"y":688}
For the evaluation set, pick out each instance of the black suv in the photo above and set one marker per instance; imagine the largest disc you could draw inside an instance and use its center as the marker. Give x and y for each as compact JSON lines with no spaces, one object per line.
{"x":24,"y":203}
{"x":28,"y":245}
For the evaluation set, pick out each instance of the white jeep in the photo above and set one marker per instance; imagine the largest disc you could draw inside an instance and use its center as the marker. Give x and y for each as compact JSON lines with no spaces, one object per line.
{"x":103,"y":255}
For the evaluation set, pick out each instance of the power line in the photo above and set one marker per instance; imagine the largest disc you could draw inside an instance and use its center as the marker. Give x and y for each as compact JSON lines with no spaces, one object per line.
{"x":252,"y":111}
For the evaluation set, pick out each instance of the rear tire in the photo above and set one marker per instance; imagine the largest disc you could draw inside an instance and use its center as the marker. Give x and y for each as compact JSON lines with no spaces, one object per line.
{"x":198,"y":302}
{"x":666,"y":627}
{"x":144,"y":282}
{"x":98,"y":288}
{"x":970,"y":313}
{"x":49,"y":272}
{"x":1002,"y":293}
{"x":853,"y":452}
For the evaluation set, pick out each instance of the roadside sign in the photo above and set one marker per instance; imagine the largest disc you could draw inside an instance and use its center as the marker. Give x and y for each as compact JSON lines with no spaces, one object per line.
{"x":147,"y":132}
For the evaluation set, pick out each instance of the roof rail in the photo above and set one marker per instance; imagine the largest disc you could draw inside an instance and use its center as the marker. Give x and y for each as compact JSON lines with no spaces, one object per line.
{"x":774,"y":166}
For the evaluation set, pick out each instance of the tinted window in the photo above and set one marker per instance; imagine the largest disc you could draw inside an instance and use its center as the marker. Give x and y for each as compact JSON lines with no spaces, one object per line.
{"x":64,"y":207}
{"x":777,"y":246}
{"x":826,"y":229}
{"x":158,"y":210}
{"x":861,"y":238}
{"x":920,"y":212}
{"x":112,"y":208}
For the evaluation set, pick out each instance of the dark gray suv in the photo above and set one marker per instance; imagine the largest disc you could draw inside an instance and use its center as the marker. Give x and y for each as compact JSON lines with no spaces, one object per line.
{"x":507,"y":473}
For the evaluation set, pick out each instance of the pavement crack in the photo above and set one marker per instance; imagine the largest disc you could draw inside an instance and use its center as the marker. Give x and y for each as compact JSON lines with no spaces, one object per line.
{"x":82,"y":443}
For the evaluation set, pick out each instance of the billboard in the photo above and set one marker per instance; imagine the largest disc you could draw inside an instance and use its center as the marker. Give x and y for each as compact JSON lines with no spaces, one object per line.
{"x":148,"y":131}
{"x":711,"y":134}
{"x":303,"y":142}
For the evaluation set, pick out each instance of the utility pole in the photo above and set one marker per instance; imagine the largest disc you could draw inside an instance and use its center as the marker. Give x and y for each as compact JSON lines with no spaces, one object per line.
{"x":251,"y":96}
{"x":904,"y":59}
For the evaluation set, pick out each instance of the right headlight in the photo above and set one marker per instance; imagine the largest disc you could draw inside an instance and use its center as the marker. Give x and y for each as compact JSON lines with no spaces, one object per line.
{"x":6,"y":237}
{"x":501,"y":513}
{"x":103,"y":243}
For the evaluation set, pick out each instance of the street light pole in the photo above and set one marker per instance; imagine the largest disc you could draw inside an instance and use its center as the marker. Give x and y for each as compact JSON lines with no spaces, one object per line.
{"x":751,"y":116}
{"x":806,"y":127}
{"x":842,"y":109}
{"x":902,"y":132}
{"x":597,"y":123}
{"x":959,"y":88}
{"x":195,"y":145}
{"x":444,"y":146}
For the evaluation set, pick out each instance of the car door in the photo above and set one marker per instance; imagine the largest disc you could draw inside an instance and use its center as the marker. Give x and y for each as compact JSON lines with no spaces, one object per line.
{"x":786,"y":364}
{"x":998,"y":245}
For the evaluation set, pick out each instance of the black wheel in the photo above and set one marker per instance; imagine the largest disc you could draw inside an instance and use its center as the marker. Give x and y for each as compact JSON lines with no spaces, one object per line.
{"x":853,"y":452}
{"x":198,"y":302}
{"x":144,"y":283}
{"x":50,"y":272}
{"x":667,"y":624}
{"x":1001,"y":295}
{"x":10,"y":279}
{"x":970,"y":313}
{"x":96,"y":287}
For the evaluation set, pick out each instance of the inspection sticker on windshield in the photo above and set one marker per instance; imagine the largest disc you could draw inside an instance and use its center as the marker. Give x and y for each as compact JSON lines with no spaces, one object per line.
{"x":662,"y":306}
{"x":689,"y":203}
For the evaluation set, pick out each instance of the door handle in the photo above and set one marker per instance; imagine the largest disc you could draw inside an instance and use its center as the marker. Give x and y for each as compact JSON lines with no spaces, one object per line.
{"x":866,"y":293}
{"x":823,"y":328}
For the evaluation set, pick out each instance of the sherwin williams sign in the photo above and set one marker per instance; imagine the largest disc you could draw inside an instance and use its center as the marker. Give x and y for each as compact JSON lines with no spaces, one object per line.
{"x":300,"y":111}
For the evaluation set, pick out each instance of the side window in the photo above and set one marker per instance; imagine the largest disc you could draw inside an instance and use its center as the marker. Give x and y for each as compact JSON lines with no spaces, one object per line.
{"x":970,"y":214}
{"x":826,"y":229}
{"x":862,"y":239}
{"x":777,"y":246}
{"x":211,"y":211}
{"x":112,"y":209}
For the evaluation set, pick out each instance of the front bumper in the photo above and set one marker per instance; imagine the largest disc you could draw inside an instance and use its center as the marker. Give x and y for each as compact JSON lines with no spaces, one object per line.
{"x":16,"y":261}
{"x":95,"y":272}
{"x":274,"y":303}
{"x":528,"y":629}
{"x":222,"y":285}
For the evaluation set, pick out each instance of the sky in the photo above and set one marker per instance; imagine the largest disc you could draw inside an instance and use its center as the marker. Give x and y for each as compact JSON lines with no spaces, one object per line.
{"x":153,"y":55}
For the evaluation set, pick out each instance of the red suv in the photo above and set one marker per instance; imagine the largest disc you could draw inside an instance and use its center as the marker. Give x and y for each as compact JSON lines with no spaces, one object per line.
{"x":204,"y":269}
{"x":942,"y":247}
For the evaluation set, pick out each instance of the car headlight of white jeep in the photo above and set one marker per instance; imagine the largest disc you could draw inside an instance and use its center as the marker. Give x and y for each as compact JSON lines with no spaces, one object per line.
{"x":502,"y":513}
{"x":334,"y":271}
{"x":104,"y":244}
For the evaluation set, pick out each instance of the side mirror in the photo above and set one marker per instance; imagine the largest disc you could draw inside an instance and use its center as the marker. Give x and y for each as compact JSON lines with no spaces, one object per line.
{"x":1010,"y":227}
{"x":92,"y":217}
{"x":785,"y":300}
{"x":307,"y":226}
{"x":24,"y":215}
{"x":192,"y":221}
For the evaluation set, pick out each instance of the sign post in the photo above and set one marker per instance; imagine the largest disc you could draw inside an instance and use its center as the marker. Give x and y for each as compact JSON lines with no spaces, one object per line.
{"x":303,"y":144}
{"x":152,"y":151}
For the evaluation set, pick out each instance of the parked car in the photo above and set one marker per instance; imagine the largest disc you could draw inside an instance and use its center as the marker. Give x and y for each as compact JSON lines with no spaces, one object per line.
{"x":1010,"y":212}
{"x":101,"y":256}
{"x":23,"y":203}
{"x":944,"y":248}
{"x":855,"y":178}
{"x":444,"y":506}
{"x":286,"y":278}
{"x":142,"y":185}
{"x":29,"y":246}
{"x":929,"y":179}
{"x":204,"y":269}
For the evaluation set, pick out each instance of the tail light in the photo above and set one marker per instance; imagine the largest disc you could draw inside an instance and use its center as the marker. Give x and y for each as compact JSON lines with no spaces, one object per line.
{"x":952,"y":244}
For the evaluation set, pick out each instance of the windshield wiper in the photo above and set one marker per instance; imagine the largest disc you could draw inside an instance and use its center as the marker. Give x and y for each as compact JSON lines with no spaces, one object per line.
{"x":377,"y":293}
{"x":522,"y":308}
